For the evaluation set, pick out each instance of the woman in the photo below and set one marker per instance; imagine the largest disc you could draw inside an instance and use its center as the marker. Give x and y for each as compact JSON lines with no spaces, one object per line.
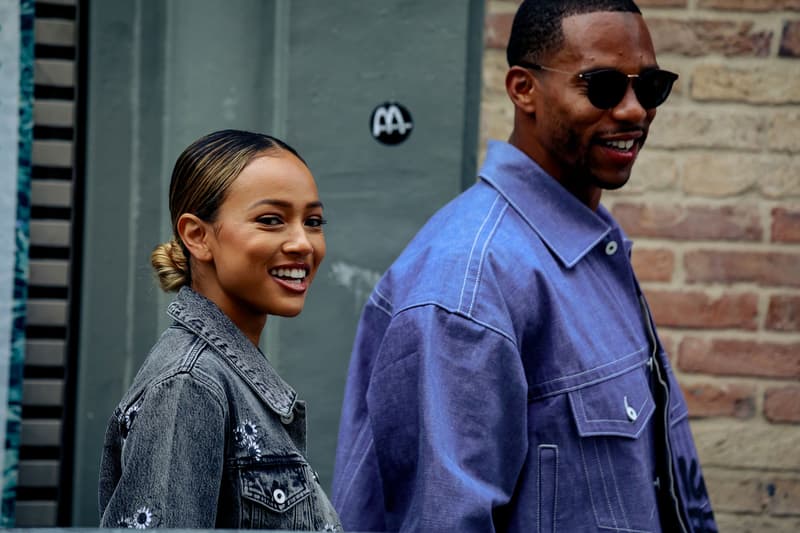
{"x":209,"y":435}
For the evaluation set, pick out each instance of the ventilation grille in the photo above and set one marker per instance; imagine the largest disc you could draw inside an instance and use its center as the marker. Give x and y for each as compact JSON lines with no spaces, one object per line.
{"x":50,"y":234}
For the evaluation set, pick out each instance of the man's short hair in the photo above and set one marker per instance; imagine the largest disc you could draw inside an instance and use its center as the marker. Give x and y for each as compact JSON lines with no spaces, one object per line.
{"x":537,"y":31}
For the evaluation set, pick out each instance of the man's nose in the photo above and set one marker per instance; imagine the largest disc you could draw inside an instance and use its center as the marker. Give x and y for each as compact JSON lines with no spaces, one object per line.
{"x":629,"y":109}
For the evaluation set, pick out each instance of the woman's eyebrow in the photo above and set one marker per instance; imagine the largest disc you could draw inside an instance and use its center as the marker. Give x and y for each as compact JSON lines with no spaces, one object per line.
{"x":282,"y":203}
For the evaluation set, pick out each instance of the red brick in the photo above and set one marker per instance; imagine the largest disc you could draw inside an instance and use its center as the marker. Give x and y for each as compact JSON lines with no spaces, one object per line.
{"x":783,"y":313}
{"x":790,"y":39}
{"x":668,"y":342}
{"x":702,"y":37}
{"x":497,"y":29}
{"x":739,"y":358}
{"x":653,"y":265}
{"x":763,"y":268}
{"x":785,"y":225}
{"x":749,"y":5}
{"x":782,"y":404}
{"x":697,"y":310}
{"x":706,"y":400}
{"x":690,"y":222}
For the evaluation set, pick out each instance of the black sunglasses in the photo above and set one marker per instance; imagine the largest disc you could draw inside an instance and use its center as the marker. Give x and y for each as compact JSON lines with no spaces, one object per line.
{"x":606,"y":87}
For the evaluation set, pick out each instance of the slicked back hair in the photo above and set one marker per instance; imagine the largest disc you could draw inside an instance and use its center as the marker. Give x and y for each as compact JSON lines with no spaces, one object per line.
{"x":537,"y":31}
{"x":201,"y":178}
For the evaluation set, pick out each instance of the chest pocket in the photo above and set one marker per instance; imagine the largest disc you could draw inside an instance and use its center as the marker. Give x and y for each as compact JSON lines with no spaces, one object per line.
{"x":620,"y":406}
{"x":277,"y":496}
{"x":612,"y":418}
{"x":278,"y":488}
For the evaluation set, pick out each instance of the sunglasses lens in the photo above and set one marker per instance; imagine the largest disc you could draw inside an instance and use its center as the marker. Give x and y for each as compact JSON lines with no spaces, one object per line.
{"x":605,"y":88}
{"x":653,"y":87}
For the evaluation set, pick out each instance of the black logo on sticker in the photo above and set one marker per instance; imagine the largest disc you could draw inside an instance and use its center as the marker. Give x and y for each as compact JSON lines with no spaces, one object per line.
{"x":391,"y":123}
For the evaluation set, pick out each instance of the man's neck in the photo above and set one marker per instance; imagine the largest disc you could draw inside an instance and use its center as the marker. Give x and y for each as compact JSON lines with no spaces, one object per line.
{"x":587,"y":194}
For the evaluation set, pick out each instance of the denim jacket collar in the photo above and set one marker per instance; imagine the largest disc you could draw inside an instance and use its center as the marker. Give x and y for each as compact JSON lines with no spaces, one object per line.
{"x":207,"y":321}
{"x":568,"y":227}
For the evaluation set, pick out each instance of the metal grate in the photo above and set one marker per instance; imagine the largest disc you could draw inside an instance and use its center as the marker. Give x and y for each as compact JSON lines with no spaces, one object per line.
{"x":50,"y":252}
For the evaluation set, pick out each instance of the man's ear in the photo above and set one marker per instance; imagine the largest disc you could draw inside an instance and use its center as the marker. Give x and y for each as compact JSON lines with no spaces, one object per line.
{"x":194,"y":233}
{"x":521,"y":87}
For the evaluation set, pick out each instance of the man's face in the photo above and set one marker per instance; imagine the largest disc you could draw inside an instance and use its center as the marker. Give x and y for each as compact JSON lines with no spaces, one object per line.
{"x":586,"y":148}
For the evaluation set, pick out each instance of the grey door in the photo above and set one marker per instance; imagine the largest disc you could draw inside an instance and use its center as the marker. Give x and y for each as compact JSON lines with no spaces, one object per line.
{"x":313,"y":72}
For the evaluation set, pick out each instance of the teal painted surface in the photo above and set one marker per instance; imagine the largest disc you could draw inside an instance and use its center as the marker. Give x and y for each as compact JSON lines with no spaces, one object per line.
{"x":22,"y":234}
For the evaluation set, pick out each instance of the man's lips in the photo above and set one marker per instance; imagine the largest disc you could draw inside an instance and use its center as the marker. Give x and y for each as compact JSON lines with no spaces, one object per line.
{"x":622,"y":141}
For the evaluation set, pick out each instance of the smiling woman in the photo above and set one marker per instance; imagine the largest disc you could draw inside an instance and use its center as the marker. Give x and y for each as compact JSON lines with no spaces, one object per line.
{"x":209,"y":435}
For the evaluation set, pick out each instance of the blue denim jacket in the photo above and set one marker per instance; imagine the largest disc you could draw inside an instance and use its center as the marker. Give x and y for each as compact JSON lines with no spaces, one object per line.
{"x":505,"y":377}
{"x":209,"y":435}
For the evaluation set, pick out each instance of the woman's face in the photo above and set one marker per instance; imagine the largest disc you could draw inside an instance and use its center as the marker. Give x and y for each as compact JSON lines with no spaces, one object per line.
{"x":267,"y":241}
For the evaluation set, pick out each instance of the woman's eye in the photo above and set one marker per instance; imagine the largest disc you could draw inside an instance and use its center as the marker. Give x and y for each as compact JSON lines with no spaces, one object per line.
{"x":269,"y":221}
{"x":316,"y":222}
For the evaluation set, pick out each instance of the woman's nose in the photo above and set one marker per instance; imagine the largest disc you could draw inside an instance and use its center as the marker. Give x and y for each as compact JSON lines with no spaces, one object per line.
{"x":298,"y":242}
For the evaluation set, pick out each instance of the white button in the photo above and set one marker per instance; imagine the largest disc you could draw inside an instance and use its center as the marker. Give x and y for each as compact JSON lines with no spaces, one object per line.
{"x":611,"y":247}
{"x":630,"y":411}
{"x":288,"y":419}
{"x":657,"y":483}
{"x":279,"y":496}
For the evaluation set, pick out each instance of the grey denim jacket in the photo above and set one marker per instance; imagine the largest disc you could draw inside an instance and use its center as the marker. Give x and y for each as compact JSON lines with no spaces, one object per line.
{"x":209,"y":435}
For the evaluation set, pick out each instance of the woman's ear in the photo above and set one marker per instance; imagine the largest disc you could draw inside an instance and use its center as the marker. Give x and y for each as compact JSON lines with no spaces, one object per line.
{"x":194,"y":233}
{"x":521,"y":87}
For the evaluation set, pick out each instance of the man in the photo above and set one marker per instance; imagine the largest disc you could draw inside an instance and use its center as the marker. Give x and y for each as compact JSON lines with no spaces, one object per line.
{"x":506,"y":374}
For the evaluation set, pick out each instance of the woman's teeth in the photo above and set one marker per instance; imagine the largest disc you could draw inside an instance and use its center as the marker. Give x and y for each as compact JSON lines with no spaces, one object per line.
{"x":293,"y":274}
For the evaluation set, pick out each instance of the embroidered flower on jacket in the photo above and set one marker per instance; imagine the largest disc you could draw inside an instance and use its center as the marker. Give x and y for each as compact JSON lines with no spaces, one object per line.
{"x":127,"y":422}
{"x":253,"y":450}
{"x":143,"y":518}
{"x":245,"y":434}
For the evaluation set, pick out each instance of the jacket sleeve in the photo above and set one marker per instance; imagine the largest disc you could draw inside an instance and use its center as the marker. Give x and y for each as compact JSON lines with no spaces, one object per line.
{"x":171,"y":458}
{"x":443,"y":434}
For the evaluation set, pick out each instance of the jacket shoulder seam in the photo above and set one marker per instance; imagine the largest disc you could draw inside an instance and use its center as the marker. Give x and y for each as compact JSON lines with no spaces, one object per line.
{"x":465,"y":316}
{"x":198,"y":376}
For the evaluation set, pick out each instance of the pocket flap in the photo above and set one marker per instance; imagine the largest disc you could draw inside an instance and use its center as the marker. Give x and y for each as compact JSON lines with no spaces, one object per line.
{"x":620,"y":405}
{"x":277,"y":486}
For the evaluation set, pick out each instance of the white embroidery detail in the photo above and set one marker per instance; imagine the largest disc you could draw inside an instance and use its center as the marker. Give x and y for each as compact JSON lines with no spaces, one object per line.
{"x":245,"y":434}
{"x":142,"y":519}
{"x":254,"y":451}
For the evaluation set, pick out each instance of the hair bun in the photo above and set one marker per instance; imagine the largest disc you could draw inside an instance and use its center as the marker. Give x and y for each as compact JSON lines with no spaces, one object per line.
{"x":170,"y":265}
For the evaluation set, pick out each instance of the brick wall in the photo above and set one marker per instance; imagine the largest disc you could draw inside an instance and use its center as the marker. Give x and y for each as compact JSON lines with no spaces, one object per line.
{"x":714,"y":208}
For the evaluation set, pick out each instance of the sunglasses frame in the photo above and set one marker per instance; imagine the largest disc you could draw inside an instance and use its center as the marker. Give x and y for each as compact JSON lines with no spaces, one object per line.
{"x":587,"y":77}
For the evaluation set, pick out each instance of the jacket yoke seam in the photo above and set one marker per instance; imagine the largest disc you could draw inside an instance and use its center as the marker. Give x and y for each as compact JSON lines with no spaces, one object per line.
{"x":201,"y":378}
{"x":471,"y":279}
{"x":461,"y":314}
{"x":384,"y":304}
